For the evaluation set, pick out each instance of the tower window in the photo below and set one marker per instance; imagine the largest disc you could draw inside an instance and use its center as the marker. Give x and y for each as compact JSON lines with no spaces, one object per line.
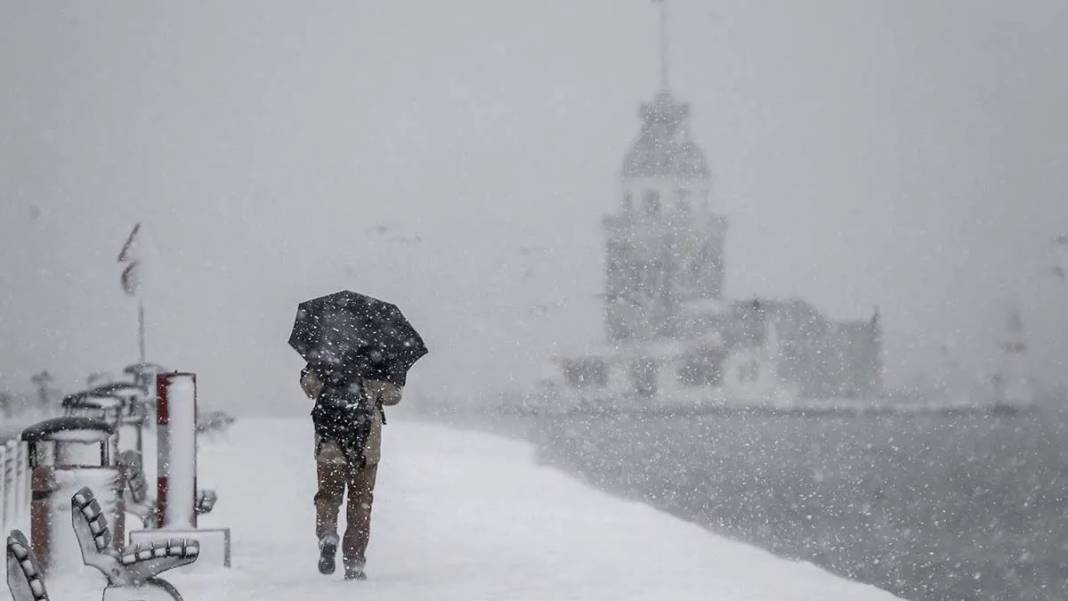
{"x":651,"y":201}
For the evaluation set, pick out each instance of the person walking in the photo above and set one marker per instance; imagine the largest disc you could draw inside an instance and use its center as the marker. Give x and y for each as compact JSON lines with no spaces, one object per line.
{"x":358,"y":351}
{"x":348,"y":418}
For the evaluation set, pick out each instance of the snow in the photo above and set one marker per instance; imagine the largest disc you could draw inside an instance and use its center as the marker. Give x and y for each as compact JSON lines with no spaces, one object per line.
{"x":467,"y":516}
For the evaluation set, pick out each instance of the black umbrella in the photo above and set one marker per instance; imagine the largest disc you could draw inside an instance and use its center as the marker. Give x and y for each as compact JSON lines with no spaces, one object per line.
{"x":354,"y":332}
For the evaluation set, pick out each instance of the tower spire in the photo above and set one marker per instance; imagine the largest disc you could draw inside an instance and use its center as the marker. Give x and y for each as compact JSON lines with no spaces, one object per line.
{"x":664,"y":63}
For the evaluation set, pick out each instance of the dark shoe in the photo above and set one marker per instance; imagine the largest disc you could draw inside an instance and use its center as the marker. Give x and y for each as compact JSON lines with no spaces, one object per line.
{"x":354,"y":571}
{"x":327,"y":554}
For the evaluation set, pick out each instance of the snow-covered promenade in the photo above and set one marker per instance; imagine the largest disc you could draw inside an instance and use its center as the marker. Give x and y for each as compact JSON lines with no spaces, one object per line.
{"x":469,"y":516}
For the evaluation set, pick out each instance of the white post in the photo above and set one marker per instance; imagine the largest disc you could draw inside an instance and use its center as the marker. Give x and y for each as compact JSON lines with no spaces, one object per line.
{"x":141,"y":327}
{"x":176,"y":418}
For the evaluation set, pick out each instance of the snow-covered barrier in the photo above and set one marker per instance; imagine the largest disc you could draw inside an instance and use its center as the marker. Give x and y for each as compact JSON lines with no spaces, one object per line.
{"x":66,"y":454}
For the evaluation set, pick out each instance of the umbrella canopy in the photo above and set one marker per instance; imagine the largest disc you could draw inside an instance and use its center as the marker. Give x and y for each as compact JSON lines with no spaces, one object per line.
{"x":358,"y":334}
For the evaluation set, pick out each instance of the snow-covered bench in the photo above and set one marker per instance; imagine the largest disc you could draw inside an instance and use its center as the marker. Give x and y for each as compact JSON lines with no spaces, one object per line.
{"x":23,"y":572}
{"x":132,"y":572}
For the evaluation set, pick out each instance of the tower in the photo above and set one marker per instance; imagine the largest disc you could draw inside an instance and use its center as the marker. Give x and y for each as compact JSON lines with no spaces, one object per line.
{"x":664,"y":246}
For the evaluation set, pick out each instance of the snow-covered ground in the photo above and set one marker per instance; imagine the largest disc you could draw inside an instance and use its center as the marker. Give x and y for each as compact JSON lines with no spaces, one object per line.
{"x":467,"y":516}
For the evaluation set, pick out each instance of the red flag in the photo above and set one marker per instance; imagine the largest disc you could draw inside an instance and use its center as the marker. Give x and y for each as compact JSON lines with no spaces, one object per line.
{"x":130,"y":248}
{"x":1060,"y":268}
{"x":131,"y":278}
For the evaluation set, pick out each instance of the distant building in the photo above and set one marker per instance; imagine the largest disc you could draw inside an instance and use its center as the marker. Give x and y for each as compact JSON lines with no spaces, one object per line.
{"x":670,"y":332}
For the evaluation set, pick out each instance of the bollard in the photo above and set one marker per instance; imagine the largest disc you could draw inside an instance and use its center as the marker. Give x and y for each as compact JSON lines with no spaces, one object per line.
{"x":130,"y":448}
{"x":66,"y":454}
{"x":119,"y":405}
{"x":176,"y":471}
{"x":176,"y":425}
{"x":131,"y":422}
{"x":104,"y":407}
{"x":145,"y":376}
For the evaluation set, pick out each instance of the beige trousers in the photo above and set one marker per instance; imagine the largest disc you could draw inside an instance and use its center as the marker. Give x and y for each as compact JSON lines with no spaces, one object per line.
{"x":334,"y":479}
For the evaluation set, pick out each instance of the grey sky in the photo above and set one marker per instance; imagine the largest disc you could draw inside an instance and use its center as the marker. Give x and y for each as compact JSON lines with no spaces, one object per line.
{"x":906,"y":154}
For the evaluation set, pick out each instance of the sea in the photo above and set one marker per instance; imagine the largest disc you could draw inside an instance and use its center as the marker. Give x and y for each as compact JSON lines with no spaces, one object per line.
{"x":931,"y":507}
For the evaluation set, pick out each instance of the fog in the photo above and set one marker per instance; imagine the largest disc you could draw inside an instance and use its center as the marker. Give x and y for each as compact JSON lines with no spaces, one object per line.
{"x":456,"y":158}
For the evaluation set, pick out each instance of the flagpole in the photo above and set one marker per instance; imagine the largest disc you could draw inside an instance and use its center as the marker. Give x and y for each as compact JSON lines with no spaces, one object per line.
{"x":141,"y":327}
{"x":131,"y":282}
{"x":664,"y":48}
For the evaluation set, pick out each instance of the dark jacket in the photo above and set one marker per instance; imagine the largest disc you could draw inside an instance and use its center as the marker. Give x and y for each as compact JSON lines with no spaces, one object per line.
{"x":348,"y":407}
{"x":343,"y":411}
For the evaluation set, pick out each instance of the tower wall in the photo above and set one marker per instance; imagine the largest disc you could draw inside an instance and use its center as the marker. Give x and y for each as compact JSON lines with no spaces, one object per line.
{"x":664,"y":247}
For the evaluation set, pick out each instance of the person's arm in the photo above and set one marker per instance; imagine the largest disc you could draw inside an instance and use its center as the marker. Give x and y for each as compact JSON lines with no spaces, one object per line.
{"x":310,"y":382}
{"x":384,"y":392}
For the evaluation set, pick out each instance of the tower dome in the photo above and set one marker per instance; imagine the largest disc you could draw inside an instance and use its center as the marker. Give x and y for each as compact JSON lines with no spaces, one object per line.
{"x":663,"y":148}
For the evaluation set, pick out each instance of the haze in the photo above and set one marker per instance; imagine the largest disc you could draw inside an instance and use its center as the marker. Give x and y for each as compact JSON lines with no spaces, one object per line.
{"x":902,"y":154}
